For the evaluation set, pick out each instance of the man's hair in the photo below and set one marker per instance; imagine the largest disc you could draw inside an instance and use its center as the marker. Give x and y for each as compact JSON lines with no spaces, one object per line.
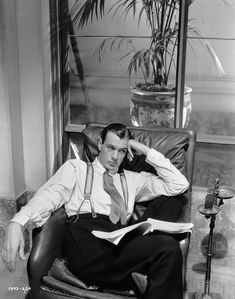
{"x":117,"y":128}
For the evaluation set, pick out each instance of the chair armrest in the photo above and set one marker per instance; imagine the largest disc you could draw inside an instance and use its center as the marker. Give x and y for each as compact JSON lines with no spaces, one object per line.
{"x":184,"y":246}
{"x":47,"y":245}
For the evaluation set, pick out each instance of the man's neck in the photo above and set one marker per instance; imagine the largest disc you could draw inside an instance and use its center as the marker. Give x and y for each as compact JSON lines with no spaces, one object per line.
{"x":112,"y":172}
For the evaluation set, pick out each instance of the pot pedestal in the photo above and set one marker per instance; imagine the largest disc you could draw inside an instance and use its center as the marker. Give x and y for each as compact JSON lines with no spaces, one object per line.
{"x":157,"y":109}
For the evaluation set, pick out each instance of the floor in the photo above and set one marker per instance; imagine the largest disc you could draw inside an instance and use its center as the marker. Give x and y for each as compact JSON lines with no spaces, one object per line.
{"x":13,"y":285}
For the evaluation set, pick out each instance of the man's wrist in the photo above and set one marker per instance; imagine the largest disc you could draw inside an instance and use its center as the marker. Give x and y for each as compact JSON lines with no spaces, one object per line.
{"x":139,"y":147}
{"x":20,"y":219}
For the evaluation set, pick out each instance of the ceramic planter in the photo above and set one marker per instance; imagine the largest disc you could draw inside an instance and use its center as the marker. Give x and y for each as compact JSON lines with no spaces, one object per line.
{"x":156,"y":109}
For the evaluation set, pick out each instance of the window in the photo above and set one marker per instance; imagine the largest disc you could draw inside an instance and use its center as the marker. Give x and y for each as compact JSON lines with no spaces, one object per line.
{"x":100,"y":92}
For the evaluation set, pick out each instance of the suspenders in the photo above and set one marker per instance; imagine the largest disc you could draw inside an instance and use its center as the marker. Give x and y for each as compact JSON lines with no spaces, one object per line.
{"x":88,"y":190}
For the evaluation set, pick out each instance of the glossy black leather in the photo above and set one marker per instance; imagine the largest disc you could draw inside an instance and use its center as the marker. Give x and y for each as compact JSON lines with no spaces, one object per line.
{"x":176,"y":144}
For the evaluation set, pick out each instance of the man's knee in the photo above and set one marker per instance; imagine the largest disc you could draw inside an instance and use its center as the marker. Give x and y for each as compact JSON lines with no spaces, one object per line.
{"x":167,"y":244}
{"x":172,"y":251}
{"x":167,"y":208}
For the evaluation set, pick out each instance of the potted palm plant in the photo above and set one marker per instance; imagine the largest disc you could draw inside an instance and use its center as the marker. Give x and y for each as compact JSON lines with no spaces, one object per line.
{"x":153,"y":98}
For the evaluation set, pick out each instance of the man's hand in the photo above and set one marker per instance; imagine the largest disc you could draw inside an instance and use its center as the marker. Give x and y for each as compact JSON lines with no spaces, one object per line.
{"x":138,"y":147}
{"x":13,"y":243}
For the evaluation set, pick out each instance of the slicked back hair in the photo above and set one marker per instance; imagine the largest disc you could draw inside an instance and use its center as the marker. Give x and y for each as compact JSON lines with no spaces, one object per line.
{"x":117,"y":128}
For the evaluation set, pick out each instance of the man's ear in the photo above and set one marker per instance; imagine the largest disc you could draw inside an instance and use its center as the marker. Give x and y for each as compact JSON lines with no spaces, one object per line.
{"x":99,"y":143}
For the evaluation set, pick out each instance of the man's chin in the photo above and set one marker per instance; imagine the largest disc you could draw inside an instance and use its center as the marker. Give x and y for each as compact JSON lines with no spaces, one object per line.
{"x":112,"y":168}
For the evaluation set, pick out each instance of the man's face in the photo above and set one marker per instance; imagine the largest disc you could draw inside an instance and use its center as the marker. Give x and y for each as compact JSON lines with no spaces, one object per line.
{"x":112,"y":151}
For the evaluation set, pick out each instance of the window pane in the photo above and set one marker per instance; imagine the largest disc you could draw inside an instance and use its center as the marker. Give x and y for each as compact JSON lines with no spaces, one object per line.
{"x":214,"y":161}
{"x":105,"y":95}
{"x":213,"y":105}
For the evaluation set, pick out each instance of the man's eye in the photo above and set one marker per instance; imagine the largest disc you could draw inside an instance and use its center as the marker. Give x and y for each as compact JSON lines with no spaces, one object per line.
{"x":110,"y":148}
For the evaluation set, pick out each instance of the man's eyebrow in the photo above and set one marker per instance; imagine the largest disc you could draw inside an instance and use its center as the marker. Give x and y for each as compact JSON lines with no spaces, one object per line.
{"x":121,"y":148}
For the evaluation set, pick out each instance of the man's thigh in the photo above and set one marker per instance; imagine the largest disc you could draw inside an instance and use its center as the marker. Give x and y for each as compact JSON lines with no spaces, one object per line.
{"x":89,"y":257}
{"x":146,"y":248}
{"x":167,"y":208}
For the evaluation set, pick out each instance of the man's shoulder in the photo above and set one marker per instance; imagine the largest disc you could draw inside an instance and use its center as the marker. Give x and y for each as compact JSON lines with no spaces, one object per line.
{"x":131,"y":173}
{"x":75,"y":163}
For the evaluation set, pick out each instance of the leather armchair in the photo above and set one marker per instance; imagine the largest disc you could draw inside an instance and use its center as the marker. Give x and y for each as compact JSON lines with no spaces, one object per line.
{"x":47,"y":274}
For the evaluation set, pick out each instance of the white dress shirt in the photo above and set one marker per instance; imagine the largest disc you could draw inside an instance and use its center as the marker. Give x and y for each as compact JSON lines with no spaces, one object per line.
{"x":66,"y":187}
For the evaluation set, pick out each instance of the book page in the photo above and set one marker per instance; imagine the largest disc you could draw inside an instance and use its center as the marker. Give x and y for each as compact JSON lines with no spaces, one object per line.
{"x":143,"y":228}
{"x":116,"y":236}
{"x":170,"y":227}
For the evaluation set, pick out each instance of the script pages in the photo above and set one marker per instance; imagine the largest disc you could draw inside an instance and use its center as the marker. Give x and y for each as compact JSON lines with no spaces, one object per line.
{"x":143,"y":228}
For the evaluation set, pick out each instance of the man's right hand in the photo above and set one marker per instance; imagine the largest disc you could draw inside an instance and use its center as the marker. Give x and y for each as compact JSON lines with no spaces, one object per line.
{"x":139,"y":148}
{"x":13,"y":243}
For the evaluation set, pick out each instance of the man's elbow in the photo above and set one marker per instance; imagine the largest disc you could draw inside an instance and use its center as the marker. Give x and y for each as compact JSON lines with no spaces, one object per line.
{"x":184,"y":185}
{"x":178,"y":188}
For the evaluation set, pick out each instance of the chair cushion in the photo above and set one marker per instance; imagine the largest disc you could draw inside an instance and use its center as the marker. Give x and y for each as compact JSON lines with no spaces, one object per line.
{"x":57,"y":287}
{"x":60,"y":271}
{"x":172,"y":144}
{"x":61,"y":280}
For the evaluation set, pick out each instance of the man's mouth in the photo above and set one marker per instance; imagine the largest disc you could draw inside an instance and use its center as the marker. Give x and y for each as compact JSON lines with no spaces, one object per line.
{"x":113,"y":164}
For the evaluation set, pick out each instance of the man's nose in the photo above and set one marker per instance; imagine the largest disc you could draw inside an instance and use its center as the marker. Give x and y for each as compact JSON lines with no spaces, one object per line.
{"x":115,"y":155}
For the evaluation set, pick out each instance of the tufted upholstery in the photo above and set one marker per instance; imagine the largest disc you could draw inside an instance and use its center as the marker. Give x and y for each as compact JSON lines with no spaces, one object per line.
{"x":176,"y":144}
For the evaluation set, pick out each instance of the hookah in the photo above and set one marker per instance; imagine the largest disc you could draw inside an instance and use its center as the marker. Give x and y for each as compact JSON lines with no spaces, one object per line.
{"x":214,"y":199}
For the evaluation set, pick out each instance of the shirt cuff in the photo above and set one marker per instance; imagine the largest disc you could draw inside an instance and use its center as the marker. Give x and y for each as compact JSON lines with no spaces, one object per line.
{"x":21,"y":219}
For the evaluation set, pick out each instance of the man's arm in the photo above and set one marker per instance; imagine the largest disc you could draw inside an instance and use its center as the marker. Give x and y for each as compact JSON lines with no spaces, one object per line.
{"x":49,"y":197}
{"x":138,"y":147}
{"x":169,"y":181}
{"x":13,"y":243}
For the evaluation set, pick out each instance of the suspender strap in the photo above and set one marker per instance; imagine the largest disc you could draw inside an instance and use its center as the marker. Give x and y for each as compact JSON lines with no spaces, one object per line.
{"x":88,"y":186}
{"x":87,"y":191}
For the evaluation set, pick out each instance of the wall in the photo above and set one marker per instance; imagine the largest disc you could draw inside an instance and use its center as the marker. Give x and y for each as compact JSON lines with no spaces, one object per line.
{"x":24,"y":96}
{"x":27,"y":150}
{"x":11,"y":130}
{"x":31,"y":92}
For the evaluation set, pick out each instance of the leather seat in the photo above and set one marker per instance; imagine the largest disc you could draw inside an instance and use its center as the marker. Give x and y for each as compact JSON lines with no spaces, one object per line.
{"x":46,"y":268}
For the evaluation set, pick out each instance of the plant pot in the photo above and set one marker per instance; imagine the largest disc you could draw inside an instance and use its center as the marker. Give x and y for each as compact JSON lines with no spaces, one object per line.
{"x":157,"y":109}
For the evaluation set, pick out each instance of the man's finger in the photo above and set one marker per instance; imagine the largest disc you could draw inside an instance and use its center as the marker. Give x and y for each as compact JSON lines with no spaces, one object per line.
{"x":130,"y":155}
{"x":4,"y":257}
{"x":12,"y":260}
{"x":21,"y":252}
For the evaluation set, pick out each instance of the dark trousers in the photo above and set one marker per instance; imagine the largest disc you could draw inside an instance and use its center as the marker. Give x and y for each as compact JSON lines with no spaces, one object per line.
{"x":156,"y":255}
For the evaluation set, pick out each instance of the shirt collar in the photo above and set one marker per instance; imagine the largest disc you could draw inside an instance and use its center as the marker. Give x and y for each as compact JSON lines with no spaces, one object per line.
{"x":98,"y":166}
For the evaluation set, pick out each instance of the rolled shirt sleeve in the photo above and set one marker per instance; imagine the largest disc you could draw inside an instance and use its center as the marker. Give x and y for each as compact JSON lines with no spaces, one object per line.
{"x":168,"y":181}
{"x":51,"y":196}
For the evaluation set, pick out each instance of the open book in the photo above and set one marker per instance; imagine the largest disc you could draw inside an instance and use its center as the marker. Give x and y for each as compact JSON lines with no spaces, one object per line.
{"x":143,"y":228}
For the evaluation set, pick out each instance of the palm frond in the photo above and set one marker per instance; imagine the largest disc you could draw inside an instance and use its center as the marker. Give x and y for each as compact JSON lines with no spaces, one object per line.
{"x":230,"y":3}
{"x":81,"y":14}
{"x":156,"y":61}
{"x":124,"y":6}
{"x":211,"y":51}
{"x":99,"y":52}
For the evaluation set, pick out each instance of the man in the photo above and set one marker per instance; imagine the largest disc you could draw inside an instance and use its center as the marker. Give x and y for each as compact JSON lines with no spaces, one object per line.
{"x":96,"y":261}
